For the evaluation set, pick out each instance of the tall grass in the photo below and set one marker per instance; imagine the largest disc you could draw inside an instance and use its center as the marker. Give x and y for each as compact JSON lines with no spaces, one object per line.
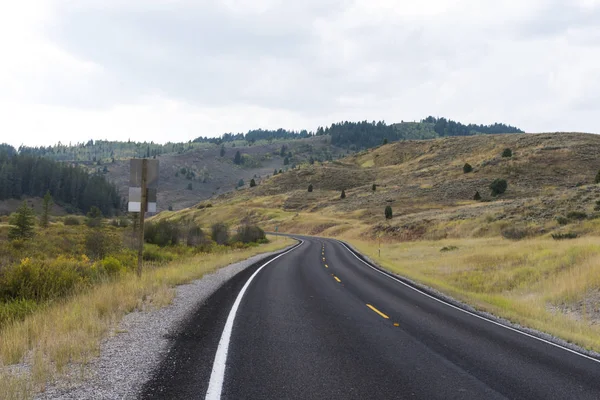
{"x":68,"y":332}
{"x":521,"y":281}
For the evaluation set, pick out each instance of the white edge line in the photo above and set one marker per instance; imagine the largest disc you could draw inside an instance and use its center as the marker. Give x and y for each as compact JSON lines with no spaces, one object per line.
{"x":468,"y":312}
{"x":217,"y":375}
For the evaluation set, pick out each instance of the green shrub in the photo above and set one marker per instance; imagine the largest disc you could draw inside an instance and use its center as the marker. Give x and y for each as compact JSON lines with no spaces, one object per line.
{"x":597,"y":206}
{"x":577,"y":215}
{"x":252,"y":183}
{"x":498,"y":187}
{"x":42,"y":280}
{"x":343,"y":195}
{"x":374,"y":187}
{"x":156,"y":254}
{"x":597,"y":180}
{"x":467,"y":168}
{"x":220,"y":233}
{"x":388,"y":212}
{"x":22,"y":223}
{"x":249,"y":234}
{"x":70,"y":220}
{"x":477,"y":196}
{"x":515,"y":233}
{"x":162,"y":233}
{"x":561,"y":220}
{"x":94,"y":217}
{"x":448,"y":248}
{"x":111,"y":266}
{"x":507,"y":153}
{"x":100,"y":243}
{"x":16,"y":310}
{"x":564,"y":236}
{"x":310,"y":188}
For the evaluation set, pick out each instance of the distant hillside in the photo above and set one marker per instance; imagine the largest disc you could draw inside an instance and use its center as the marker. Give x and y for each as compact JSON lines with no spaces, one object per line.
{"x":549,"y":176}
{"x":203,"y":167}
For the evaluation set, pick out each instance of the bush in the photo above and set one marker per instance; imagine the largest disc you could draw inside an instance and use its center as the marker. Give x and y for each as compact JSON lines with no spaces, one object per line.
{"x":250,"y":234}
{"x":515,"y":233}
{"x":252,"y":183}
{"x":70,"y":220}
{"x":507,"y":153}
{"x":477,"y":196}
{"x":564,"y":236}
{"x":499,"y":186}
{"x":94,"y":217}
{"x":578,"y":215}
{"x":343,"y":195}
{"x":310,"y":188}
{"x":388,"y":212}
{"x":112,"y":266}
{"x":162,"y":233}
{"x":448,"y":248}
{"x":42,"y":280}
{"x":99,"y":244}
{"x":195,"y":237}
{"x":16,"y":310}
{"x":220,"y":233}
{"x":467,"y":168}
{"x":561,"y":220}
{"x":374,"y":187}
{"x":156,"y":254}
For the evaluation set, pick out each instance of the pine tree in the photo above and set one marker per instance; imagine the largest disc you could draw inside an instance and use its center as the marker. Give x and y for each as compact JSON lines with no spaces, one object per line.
{"x":275,"y":172}
{"x":467,"y":168}
{"x":385,"y":141}
{"x":374,"y":187}
{"x":252,"y":183}
{"x":477,"y":196}
{"x":286,"y":161}
{"x":598,"y":177}
{"x":22,"y":223}
{"x":388,"y":212}
{"x":310,"y":188}
{"x":45,"y":218}
{"x":238,"y":158}
{"x":343,"y":195}
{"x":222,"y":150}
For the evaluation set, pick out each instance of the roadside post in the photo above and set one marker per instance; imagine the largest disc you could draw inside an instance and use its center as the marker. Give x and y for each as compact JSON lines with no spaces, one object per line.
{"x":143,"y":182}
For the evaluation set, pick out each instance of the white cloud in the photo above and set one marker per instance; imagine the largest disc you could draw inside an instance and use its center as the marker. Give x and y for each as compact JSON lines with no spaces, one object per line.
{"x":177,"y":69}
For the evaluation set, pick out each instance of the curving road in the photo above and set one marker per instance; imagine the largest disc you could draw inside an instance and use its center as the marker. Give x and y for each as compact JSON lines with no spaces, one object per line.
{"x":319,"y":323}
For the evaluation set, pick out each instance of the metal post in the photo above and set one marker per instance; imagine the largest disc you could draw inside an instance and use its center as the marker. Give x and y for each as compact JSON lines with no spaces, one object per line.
{"x":144,"y":200}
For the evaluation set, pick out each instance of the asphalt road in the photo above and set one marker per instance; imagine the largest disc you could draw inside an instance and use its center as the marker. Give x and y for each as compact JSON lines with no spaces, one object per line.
{"x":317,"y":323}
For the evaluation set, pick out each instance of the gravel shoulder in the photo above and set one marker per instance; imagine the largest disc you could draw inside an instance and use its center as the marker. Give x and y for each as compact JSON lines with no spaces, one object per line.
{"x":128,"y":357}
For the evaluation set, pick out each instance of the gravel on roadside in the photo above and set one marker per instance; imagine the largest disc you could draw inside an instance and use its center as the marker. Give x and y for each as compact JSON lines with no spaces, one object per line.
{"x":128,"y":358}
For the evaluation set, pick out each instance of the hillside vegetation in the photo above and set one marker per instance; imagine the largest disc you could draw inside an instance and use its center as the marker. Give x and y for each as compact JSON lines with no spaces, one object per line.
{"x":529,"y":254}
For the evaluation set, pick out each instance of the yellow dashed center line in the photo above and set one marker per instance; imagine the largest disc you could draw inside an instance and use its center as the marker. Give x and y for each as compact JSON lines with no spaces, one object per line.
{"x":377,"y":311}
{"x":326,"y":266}
{"x":337,"y":279}
{"x":396,"y":324}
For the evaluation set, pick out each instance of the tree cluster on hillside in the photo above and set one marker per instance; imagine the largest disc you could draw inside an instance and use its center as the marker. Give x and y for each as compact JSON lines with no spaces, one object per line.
{"x":27,"y":175}
{"x":365,"y":134}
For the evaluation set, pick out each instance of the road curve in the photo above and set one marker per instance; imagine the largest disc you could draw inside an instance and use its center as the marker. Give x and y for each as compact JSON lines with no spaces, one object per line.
{"x":317,"y":323}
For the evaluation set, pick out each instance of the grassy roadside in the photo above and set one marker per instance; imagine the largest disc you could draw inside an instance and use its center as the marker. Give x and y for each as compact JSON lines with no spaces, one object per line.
{"x":67,"y":333}
{"x":544,"y":284}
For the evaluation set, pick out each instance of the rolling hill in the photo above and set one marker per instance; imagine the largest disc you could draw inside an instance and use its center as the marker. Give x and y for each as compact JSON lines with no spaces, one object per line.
{"x":550,"y":178}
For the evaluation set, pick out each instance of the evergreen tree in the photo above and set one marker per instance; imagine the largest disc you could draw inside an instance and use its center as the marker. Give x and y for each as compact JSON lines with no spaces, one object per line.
{"x":467,"y":168}
{"x":499,"y":186}
{"x":222,"y":150}
{"x":343,"y":195}
{"x":22,"y":223}
{"x":252,"y":183}
{"x":45,"y":218}
{"x":286,"y":161}
{"x":385,"y":141}
{"x":238,"y":158}
{"x":598,"y":177}
{"x":240,"y":183}
{"x":374,"y":187}
{"x":275,"y":172}
{"x":189,"y":186}
{"x":388,"y":212}
{"x":477,"y":196}
{"x":507,"y":153}
{"x":310,"y":188}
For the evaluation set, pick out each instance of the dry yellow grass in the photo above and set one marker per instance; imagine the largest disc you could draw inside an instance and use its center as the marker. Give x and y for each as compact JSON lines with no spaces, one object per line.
{"x":520,"y":281}
{"x":69,"y":332}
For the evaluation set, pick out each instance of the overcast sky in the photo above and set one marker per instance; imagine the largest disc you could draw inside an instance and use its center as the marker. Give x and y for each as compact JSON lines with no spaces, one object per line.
{"x":169,"y":70}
